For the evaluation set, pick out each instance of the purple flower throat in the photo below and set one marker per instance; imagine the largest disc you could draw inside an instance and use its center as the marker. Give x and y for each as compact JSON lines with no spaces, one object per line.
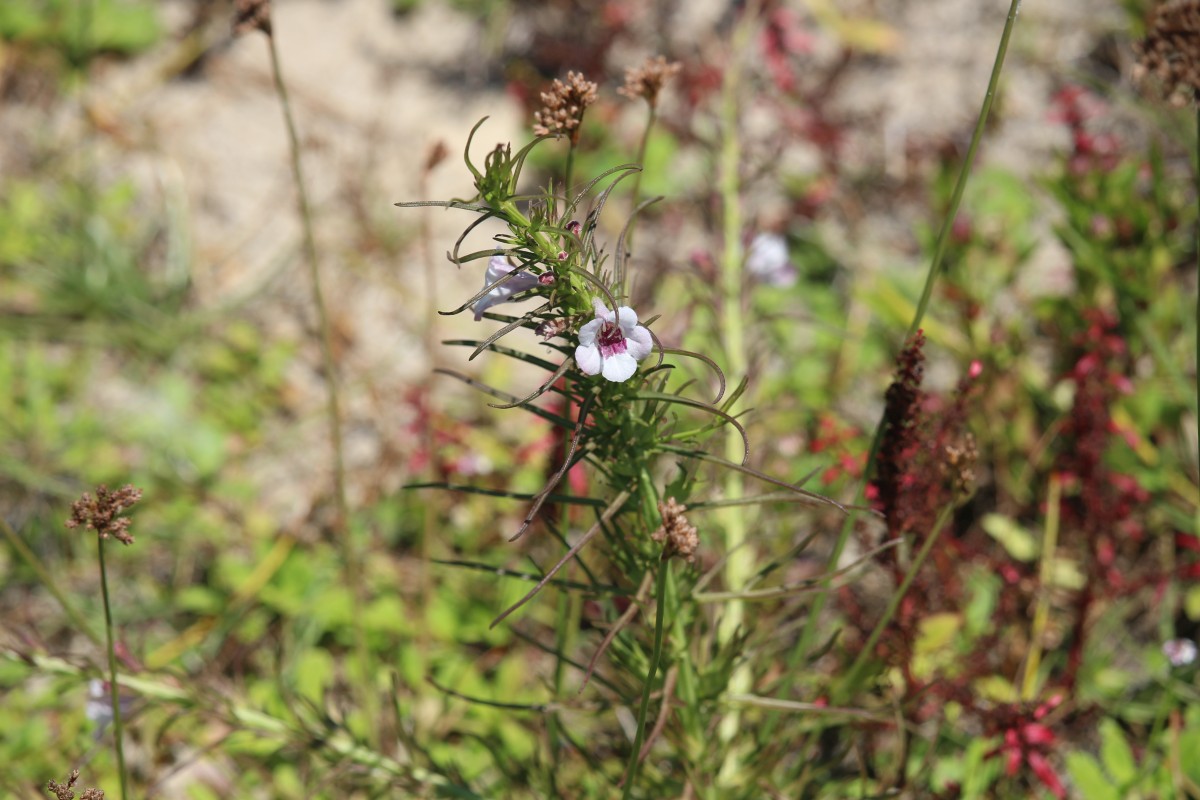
{"x":611,"y":340}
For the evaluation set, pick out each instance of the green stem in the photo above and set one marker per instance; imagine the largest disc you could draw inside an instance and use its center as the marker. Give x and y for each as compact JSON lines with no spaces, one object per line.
{"x":564,"y":633}
{"x":739,"y":563}
{"x":637,"y":179}
{"x":337,"y":743}
{"x":33,"y":562}
{"x":569,"y":174}
{"x":860,"y":662}
{"x":659,"y":613}
{"x":341,"y":528}
{"x":810,"y":626}
{"x":1041,"y":612}
{"x":114,"y":687}
{"x":939,"y":250}
{"x":1196,"y":319}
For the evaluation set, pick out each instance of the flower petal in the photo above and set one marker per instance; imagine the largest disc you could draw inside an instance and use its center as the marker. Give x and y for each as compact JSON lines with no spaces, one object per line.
{"x":628,"y":319}
{"x":587,"y":357}
{"x":639,"y":343}
{"x":587,"y":334}
{"x":601,"y":310}
{"x":483,"y":303}
{"x":619,"y":367}
{"x":498,"y":267}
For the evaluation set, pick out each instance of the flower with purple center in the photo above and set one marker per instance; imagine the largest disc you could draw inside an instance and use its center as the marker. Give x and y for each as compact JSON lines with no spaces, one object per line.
{"x":497,"y":268}
{"x":612,"y":343}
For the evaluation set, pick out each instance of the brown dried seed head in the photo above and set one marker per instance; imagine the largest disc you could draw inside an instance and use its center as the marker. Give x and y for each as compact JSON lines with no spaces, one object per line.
{"x":1171,"y":51}
{"x":563,"y":107}
{"x":680,"y":537}
{"x":66,"y":791}
{"x":959,"y":465}
{"x":648,"y":79}
{"x":252,"y":15}
{"x":63,"y":791}
{"x":102,"y":513}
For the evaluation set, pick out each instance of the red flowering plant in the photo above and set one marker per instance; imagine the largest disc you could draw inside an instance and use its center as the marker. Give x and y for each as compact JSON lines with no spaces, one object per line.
{"x":1027,"y":741}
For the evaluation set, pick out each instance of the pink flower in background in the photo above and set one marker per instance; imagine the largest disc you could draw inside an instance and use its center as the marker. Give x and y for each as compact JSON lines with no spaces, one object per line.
{"x":497,"y":268}
{"x":612,"y":343}
{"x":768,"y":261}
{"x":1180,"y":652}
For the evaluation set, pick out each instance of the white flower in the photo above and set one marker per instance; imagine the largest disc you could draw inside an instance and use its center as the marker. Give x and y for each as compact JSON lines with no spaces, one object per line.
{"x":612,"y":343}
{"x":1180,"y":652}
{"x":497,"y":268}
{"x":768,"y":260}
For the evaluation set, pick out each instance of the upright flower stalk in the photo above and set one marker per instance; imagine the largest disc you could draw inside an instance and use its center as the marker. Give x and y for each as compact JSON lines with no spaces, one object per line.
{"x":254,"y":15}
{"x":646,"y":82}
{"x":739,"y":563}
{"x":103,"y":515}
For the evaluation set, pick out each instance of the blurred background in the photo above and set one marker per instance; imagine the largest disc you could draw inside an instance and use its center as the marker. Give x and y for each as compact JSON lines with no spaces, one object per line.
{"x":157,"y":328}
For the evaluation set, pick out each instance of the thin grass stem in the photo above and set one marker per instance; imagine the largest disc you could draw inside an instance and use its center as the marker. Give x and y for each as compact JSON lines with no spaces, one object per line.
{"x":114,"y":687}
{"x":939,"y":250}
{"x":754,"y":701}
{"x":569,"y":172}
{"x":810,"y":627}
{"x":341,"y":527}
{"x":864,"y":654}
{"x":1196,"y":319}
{"x":637,"y":179}
{"x":1041,"y":613}
{"x":659,"y":615}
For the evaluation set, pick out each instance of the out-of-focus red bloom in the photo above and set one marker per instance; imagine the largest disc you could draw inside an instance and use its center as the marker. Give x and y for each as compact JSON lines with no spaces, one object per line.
{"x":837,"y":437}
{"x":1027,"y":742}
{"x":783,"y":37}
{"x":1074,"y":106}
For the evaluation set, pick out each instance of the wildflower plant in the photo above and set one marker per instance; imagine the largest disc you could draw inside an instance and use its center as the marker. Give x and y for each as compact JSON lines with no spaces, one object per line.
{"x":104,"y":514}
{"x":639,"y":430}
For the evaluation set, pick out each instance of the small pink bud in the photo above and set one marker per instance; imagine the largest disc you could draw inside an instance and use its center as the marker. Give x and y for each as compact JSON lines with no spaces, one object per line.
{"x":975,"y":370}
{"x":1037,"y":734}
{"x":546,"y":279}
{"x":1012,"y":762}
{"x":1041,"y":768}
{"x":562,"y":255}
{"x":574,"y":227}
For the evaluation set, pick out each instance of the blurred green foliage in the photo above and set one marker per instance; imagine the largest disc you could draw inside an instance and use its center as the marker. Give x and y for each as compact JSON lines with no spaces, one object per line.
{"x":81,"y":29}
